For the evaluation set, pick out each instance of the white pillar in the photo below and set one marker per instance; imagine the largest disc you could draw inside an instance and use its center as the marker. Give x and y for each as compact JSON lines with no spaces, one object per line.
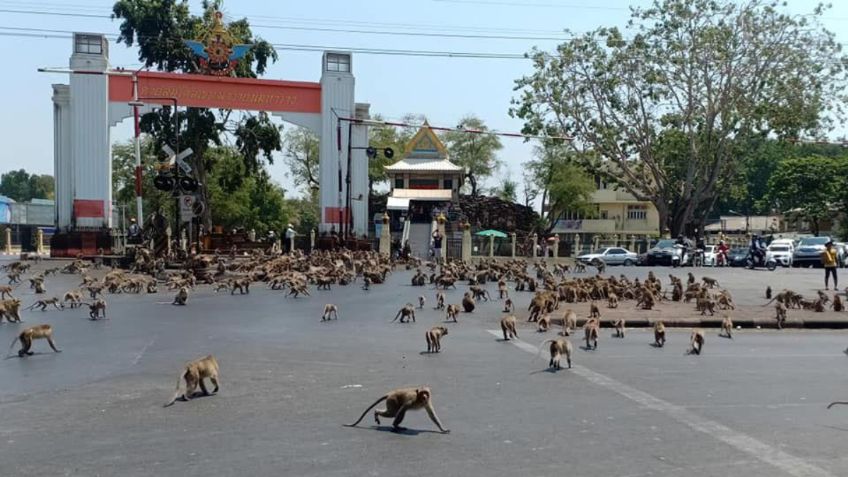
{"x":491,"y":245}
{"x":385,"y":237}
{"x":63,"y":165}
{"x":359,"y":173}
{"x":90,"y":144}
{"x":337,"y":100}
{"x":466,"y":242}
{"x":513,"y":245}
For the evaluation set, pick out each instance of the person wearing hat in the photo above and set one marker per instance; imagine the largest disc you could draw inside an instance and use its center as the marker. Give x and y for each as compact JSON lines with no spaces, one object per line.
{"x":290,"y":233}
{"x":829,"y":259}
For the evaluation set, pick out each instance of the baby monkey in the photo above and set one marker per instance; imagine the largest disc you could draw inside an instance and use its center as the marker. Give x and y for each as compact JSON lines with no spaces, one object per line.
{"x":398,"y":402}
{"x":509,"y":307}
{"x":330,"y":311}
{"x":726,"y":327}
{"x":696,"y":341}
{"x":182,"y":296}
{"x":453,"y":312}
{"x":194,"y":373}
{"x":421,"y":301}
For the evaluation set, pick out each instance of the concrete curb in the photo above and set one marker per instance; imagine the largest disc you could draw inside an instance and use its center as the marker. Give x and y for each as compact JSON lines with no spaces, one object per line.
{"x":715,"y":322}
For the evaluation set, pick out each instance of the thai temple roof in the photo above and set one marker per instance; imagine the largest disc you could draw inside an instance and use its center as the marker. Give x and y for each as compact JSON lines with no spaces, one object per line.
{"x":424,"y":153}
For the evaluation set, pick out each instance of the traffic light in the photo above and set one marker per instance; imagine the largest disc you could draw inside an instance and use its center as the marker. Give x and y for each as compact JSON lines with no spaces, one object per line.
{"x":164,"y":183}
{"x":389,"y":153}
{"x":188,"y":184}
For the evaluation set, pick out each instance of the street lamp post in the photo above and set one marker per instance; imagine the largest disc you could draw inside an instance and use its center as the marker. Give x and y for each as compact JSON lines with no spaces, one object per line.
{"x":136,"y":104}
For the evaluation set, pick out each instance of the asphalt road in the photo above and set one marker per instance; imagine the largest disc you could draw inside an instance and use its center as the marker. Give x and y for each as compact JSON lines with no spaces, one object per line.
{"x":754,"y":405}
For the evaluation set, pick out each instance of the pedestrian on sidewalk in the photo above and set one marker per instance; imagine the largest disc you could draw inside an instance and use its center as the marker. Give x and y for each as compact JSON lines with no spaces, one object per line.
{"x":829,"y":259}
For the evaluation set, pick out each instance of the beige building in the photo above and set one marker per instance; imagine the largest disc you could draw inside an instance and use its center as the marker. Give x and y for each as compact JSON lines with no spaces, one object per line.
{"x":616,"y":212}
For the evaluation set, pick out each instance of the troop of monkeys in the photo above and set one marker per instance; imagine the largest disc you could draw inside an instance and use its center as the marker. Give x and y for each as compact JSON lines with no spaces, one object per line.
{"x":296,"y":271}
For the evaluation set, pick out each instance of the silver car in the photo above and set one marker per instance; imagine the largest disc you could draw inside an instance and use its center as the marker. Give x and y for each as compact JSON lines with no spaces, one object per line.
{"x":611,"y":256}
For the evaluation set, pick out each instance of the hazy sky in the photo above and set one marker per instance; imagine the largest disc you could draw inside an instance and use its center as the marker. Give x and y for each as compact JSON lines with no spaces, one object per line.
{"x":444,"y":89}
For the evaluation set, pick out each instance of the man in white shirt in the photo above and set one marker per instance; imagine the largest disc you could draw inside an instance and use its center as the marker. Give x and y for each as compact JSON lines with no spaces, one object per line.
{"x":290,"y":234}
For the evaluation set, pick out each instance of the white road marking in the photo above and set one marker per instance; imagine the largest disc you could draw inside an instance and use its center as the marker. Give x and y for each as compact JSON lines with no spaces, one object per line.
{"x":759,"y":450}
{"x":141,"y":353}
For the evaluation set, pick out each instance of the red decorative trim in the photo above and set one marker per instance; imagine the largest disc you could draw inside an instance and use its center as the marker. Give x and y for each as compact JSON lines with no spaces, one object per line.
{"x":92,"y":209}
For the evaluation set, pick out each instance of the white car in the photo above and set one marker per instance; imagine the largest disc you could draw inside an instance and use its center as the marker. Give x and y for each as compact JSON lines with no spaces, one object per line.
{"x":611,"y":256}
{"x":781,"y":253}
{"x":710,"y":259}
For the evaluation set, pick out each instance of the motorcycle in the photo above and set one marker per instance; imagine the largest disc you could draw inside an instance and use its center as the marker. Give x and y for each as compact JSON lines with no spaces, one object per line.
{"x":760,"y":259}
{"x":682,"y":256}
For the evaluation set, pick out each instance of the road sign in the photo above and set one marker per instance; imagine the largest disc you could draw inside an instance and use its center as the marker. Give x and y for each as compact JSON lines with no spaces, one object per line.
{"x":173,"y":157}
{"x":186,"y":207}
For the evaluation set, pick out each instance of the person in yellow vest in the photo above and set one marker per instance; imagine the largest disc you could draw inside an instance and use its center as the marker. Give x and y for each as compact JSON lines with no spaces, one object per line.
{"x":830,"y":260}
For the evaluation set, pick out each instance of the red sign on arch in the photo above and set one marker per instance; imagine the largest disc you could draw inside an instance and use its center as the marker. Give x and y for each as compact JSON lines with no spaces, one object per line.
{"x":219,"y":92}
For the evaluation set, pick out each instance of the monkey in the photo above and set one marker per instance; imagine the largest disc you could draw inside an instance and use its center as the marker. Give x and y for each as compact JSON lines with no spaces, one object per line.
{"x":710,"y":282}
{"x":468,"y":303}
{"x":725,"y":302}
{"x":74,"y":297}
{"x":705,"y":304}
{"x":823,"y":297}
{"x":434,"y":338}
{"x":152,"y":287}
{"x":659,"y":334}
{"x":97,"y":309}
{"x":440,"y":301}
{"x":27,"y":336}
{"x":590,"y":331}
{"x":503,"y":292}
{"x":579,"y":267}
{"x":647,"y":301}
{"x":181,"y":297}
{"x":330,"y":310}
{"x":453,"y":312}
{"x":366,"y":284}
{"x":405,"y":314}
{"x":43,"y":304}
{"x":696,"y":342}
{"x":594,"y":311}
{"x":612,"y":300}
{"x":11,"y":309}
{"x":677,"y":292}
{"x":837,"y":304}
{"x":508,"y":327}
{"x":620,"y":325}
{"x":398,"y":402}
{"x":194,"y":373}
{"x":544,"y":322}
{"x":569,"y":322}
{"x":222,"y":286}
{"x":298,"y":289}
{"x":324,"y":283}
{"x":243,"y":285}
{"x":768,"y":292}
{"x":558,"y":349}
{"x":780,"y":314}
{"x":479,"y":293}
{"x":726,"y":327}
{"x":39,"y":287}
{"x":5,"y":290}
{"x":691,"y":279}
{"x":14,"y":277}
{"x":421,"y":301}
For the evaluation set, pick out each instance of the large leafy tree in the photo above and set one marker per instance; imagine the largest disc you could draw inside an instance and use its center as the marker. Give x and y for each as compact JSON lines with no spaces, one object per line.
{"x":474,"y":151}
{"x":23,"y":186}
{"x":301,"y":155}
{"x":663,"y":105}
{"x":565,"y":186}
{"x":157,"y":28}
{"x":507,"y":190}
{"x":808,"y":187}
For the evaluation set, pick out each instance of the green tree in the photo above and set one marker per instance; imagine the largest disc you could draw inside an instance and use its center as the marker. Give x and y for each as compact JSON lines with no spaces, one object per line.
{"x":381,"y":137}
{"x":474,"y":150}
{"x":808,"y":187}
{"x":564,"y":184}
{"x":710,"y":72}
{"x":123,"y":180}
{"x":301,"y":155}
{"x":22,"y":186}
{"x":157,"y":28}
{"x":507,"y":190}
{"x":253,"y":202}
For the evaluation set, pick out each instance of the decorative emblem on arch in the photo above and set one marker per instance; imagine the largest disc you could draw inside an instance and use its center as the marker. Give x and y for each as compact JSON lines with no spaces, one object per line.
{"x":217,"y":50}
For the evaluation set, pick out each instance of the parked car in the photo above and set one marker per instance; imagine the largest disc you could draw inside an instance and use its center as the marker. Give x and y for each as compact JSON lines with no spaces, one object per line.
{"x":611,"y":256}
{"x":843,"y":253}
{"x":737,"y":257}
{"x":809,"y":251}
{"x":780,"y":253}
{"x":710,"y":252}
{"x":662,"y":253}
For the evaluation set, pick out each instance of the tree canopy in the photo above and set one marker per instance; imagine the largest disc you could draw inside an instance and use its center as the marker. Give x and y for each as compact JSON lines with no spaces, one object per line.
{"x":474,"y":151}
{"x":565,"y":186}
{"x":664,"y":105}
{"x":157,"y":28}
{"x":22,"y":186}
{"x":809,"y":187}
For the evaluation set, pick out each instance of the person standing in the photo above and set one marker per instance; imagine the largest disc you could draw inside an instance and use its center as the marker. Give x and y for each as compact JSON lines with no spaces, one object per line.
{"x":437,"y":245}
{"x":830,"y":260}
{"x":290,"y":233}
